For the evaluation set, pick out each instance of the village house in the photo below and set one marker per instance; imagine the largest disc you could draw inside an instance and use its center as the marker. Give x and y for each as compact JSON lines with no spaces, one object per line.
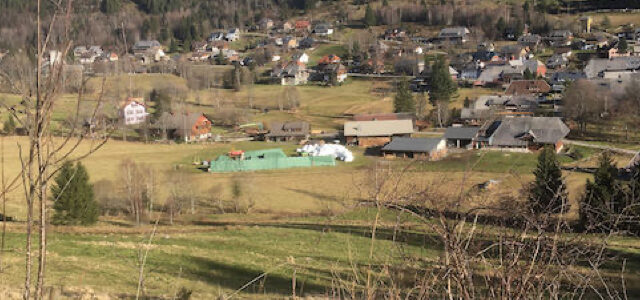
{"x":290,"y":42}
{"x":291,"y":73}
{"x":287,"y":26}
{"x":306,"y":43}
{"x":232,"y":35}
{"x":330,"y":69}
{"x":558,"y":38}
{"x":146,"y":46}
{"x":199,"y":47}
{"x":133,"y":111}
{"x":215,"y":36}
{"x":531,"y":41}
{"x":265,"y":24}
{"x":523,"y":134}
{"x":323,"y":29}
{"x":514,"y":52}
{"x":528,"y":87}
{"x":300,"y":57}
{"x":187,"y":127}
{"x":288,"y":131}
{"x":416,"y":148}
{"x":494,"y":75}
{"x":461,"y":137}
{"x":395,"y":34}
{"x":454,"y":35}
{"x":376,"y":133}
{"x":303,"y":26}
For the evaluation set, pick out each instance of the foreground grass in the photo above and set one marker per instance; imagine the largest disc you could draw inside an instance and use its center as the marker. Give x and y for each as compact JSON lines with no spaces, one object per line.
{"x":211,"y":264}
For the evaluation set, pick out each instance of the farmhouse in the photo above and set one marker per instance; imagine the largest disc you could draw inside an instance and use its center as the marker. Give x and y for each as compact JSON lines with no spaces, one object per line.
{"x":528,"y":87}
{"x":145,"y":47}
{"x":455,"y":35}
{"x":288,"y":131}
{"x":188,"y":127}
{"x":417,"y":148}
{"x":376,"y":133}
{"x":524,"y":133}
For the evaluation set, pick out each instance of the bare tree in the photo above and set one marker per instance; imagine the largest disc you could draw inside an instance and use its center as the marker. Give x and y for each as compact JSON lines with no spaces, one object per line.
{"x":42,"y":155}
{"x":583,"y":103}
{"x":134,"y":184}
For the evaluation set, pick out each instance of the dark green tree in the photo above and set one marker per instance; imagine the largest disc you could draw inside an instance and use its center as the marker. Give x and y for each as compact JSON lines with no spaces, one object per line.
{"x":9,"y":126}
{"x":369,"y":17}
{"x":110,"y":6}
{"x":501,"y":27}
{"x":603,"y":196}
{"x":442,"y":86}
{"x":623,"y":46}
{"x":385,"y":3}
{"x":403,"y":101}
{"x":72,"y":194}
{"x":161,"y":103}
{"x":548,"y":193}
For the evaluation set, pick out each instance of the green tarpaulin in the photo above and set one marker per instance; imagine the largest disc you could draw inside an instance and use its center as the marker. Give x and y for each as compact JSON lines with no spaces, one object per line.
{"x":269,"y":159}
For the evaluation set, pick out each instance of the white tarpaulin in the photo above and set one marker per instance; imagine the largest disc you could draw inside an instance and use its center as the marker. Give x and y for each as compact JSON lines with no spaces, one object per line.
{"x":336,"y":151}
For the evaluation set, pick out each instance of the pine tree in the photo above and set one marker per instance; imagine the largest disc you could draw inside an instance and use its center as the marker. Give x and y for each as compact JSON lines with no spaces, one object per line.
{"x":369,"y":17}
{"x":548,"y":192}
{"x":403,"y":101}
{"x":73,"y":197}
{"x":161,"y":103}
{"x":623,"y":46}
{"x":603,"y":196}
{"x":9,"y":126}
{"x":442,"y":86}
{"x":110,"y":6}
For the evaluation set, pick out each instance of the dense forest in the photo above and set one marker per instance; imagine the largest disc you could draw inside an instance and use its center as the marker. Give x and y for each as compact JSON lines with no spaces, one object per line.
{"x":106,"y":22}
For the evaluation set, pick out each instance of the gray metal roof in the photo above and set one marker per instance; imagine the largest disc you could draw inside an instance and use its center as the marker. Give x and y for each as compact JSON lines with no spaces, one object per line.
{"x":461,"y":133}
{"x":595,"y":67}
{"x":402,"y":144}
{"x":542,"y":130}
{"x":378,"y":128}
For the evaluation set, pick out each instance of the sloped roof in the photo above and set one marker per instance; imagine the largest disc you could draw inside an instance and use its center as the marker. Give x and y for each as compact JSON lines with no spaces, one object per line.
{"x":523,"y":87}
{"x":461,"y":133}
{"x":296,"y":129}
{"x":542,"y":130}
{"x":384,"y":117}
{"x":403,"y":144}
{"x":597,"y":66}
{"x":179,"y":121}
{"x":378,"y":128}
{"x":453,"y":32}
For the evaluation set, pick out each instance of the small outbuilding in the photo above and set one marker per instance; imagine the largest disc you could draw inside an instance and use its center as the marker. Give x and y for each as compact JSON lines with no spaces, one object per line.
{"x":461,"y":137}
{"x":416,"y":148}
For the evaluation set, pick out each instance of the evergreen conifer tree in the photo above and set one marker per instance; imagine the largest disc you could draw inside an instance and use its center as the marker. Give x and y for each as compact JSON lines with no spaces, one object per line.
{"x":403,"y":101}
{"x":369,"y":17}
{"x":603,"y":196}
{"x":548,"y":192}
{"x":74,"y":202}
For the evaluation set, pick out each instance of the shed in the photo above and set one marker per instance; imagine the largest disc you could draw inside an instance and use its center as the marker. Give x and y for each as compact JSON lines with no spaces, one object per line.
{"x":418,"y":148}
{"x":460,"y":137}
{"x":376,"y":133}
